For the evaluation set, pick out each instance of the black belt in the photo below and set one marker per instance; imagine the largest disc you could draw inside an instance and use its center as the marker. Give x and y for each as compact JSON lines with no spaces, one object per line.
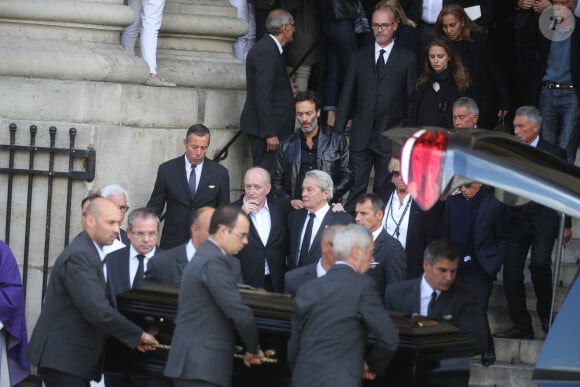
{"x":555,"y":85}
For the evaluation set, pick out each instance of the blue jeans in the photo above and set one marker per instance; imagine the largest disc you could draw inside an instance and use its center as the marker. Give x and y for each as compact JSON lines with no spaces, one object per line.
{"x":560,"y":110}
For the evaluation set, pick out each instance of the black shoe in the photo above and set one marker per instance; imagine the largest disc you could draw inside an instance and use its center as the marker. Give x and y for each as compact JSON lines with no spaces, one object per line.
{"x":545,"y":323}
{"x":515,"y":333}
{"x":488,"y":359}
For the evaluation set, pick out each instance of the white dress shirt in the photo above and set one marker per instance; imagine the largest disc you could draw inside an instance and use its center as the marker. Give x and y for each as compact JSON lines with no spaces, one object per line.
{"x":263,"y":224}
{"x":189,"y":250}
{"x":198,"y":169}
{"x":394,"y":211}
{"x":387,"y":49}
{"x":102,"y":255}
{"x":318,"y":217}
{"x":134,"y":262}
{"x":426,"y":291}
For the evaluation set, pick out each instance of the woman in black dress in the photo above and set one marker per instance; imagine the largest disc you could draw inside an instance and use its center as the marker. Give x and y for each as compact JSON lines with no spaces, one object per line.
{"x":471,"y":45}
{"x":443,"y":80}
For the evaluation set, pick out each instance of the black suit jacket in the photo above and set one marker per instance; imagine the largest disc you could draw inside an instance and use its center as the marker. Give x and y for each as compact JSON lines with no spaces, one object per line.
{"x":293,"y":279}
{"x":458,"y":305}
{"x":269,"y":107}
{"x":375,"y":103}
{"x":118,"y":269}
{"x":252,"y":256}
{"x":296,"y":224}
{"x":392,"y":267}
{"x":78,"y":315}
{"x":171,"y":191}
{"x":330,"y":325}
{"x":166,"y":267}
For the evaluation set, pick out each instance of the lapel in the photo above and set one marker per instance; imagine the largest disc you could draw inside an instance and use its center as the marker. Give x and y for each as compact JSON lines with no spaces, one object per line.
{"x":181,"y":261}
{"x":325,"y":222}
{"x":204,"y":178}
{"x":181,"y":177}
{"x":391,"y":61}
{"x":372,"y":62}
{"x":274,"y":219}
{"x":417,"y":296}
{"x":125,"y":272}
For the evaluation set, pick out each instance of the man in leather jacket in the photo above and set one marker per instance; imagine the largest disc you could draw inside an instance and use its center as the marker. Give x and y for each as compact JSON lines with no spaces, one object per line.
{"x":312,"y":147}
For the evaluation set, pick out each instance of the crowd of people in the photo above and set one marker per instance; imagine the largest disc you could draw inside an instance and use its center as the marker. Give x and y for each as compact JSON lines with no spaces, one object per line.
{"x":387,"y":64}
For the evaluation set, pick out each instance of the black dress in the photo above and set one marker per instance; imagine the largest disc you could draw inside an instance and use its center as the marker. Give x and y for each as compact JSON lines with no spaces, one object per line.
{"x":435,"y":108}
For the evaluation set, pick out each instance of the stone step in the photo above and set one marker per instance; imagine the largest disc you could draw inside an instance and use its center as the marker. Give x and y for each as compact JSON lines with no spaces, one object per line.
{"x":501,"y":374}
{"x":498,"y":300}
{"x":517,"y":351}
{"x":499,"y":320}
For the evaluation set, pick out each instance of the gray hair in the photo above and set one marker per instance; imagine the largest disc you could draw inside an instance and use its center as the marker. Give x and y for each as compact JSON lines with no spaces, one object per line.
{"x":329,"y":233}
{"x":276,"y":19}
{"x":440,"y":249}
{"x":264,"y":172}
{"x":348,"y":237}
{"x":469,"y":103}
{"x":141,"y":213}
{"x":114,"y":189}
{"x":324,"y":181}
{"x":532,"y":112}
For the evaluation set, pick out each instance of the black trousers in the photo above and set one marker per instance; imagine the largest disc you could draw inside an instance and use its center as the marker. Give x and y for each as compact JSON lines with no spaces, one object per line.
{"x":124,"y":380}
{"x":362,"y":163}
{"x":260,"y":156}
{"x":522,"y":238}
{"x":56,"y":378}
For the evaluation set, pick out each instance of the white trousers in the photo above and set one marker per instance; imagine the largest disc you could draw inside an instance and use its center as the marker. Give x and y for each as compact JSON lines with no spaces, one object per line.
{"x":148,"y":17}
{"x":244,"y":43}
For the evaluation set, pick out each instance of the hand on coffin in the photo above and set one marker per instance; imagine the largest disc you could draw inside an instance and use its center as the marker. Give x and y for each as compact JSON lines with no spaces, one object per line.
{"x":147,"y":343}
{"x":367,"y":373}
{"x":251,"y":359}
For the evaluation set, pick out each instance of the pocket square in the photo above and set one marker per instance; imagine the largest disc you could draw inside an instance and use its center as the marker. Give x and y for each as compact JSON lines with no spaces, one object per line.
{"x":211,"y":186}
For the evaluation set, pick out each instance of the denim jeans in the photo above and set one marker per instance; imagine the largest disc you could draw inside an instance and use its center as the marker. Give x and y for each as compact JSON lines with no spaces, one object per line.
{"x":560,"y":110}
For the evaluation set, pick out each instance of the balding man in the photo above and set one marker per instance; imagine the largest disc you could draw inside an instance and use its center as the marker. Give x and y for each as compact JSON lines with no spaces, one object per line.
{"x":79,"y":311}
{"x":167,"y":266}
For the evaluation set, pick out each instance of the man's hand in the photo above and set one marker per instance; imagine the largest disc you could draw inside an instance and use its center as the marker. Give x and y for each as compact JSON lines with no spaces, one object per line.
{"x":272,"y":143}
{"x":147,"y":342}
{"x":541,"y":5}
{"x":296,"y":204}
{"x":567,"y":236}
{"x":251,"y":359}
{"x":526,"y":4}
{"x":295,"y":88}
{"x":367,"y":373}
{"x":337,"y":207}
{"x":249,"y":207}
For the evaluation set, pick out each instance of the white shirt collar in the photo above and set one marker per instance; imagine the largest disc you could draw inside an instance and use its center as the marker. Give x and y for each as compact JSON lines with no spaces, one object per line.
{"x":388,"y":48}
{"x":133,"y":252}
{"x":536,"y":141}
{"x":320,"y":272}
{"x":189,"y":250}
{"x":321,"y":213}
{"x":377,"y":232}
{"x":277,"y":44}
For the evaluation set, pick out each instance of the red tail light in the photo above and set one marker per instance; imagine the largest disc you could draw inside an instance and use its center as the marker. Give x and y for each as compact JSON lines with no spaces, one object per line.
{"x":422,"y":162}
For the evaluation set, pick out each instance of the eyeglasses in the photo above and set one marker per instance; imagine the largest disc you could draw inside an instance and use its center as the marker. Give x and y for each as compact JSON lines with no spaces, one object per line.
{"x":383,"y":26}
{"x":396,"y":174}
{"x":241,"y":235}
{"x":124,"y":208}
{"x":143,"y":234}
{"x":468,"y":185}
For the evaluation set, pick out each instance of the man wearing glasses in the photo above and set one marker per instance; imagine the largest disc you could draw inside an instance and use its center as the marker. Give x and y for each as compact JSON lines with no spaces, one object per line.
{"x":119,"y":196}
{"x":210,"y":308}
{"x":376,"y":95}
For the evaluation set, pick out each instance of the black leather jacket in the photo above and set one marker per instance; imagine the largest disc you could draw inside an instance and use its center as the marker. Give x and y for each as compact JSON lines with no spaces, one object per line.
{"x":332,"y":158}
{"x":335,"y":10}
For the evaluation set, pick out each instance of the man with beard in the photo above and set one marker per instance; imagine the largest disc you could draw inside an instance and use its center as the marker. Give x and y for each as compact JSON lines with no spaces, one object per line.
{"x":312,"y":147}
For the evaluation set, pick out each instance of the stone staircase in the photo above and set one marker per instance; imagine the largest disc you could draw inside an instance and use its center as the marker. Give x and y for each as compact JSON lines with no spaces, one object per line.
{"x":516,"y":358}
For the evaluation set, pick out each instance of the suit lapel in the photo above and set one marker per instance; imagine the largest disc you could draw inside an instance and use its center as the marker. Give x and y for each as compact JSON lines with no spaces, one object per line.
{"x":181,"y":177}
{"x":325,"y":222}
{"x":126,"y":273}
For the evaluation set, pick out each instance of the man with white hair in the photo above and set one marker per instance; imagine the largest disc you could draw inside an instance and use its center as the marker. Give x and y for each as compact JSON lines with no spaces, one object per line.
{"x":305,"y":225}
{"x":333,"y":316}
{"x":119,"y":196}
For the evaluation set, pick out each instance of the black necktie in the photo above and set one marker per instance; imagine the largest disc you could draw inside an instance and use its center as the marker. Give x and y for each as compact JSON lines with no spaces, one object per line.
{"x":431,"y":303}
{"x":381,"y":65}
{"x":306,"y":241}
{"x":138,"y":280}
{"x":192,"y":178}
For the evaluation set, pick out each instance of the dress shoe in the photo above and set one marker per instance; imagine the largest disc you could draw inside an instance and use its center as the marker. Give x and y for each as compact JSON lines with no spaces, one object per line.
{"x":515,"y":333}
{"x":545,"y":323}
{"x":488,"y":359}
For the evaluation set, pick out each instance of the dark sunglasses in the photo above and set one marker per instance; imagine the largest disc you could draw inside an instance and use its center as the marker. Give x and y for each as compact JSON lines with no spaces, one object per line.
{"x":396,"y":173}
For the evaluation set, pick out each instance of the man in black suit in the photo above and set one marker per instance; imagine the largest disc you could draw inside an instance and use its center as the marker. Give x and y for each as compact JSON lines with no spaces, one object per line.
{"x":125,"y":269}
{"x":263,"y":259}
{"x":298,"y":277}
{"x":268,"y":114}
{"x":314,"y":146}
{"x":333,"y":316}
{"x":377,"y":95}
{"x":306,"y":224}
{"x":436,"y":295}
{"x":187,"y":183}
{"x":532,"y":226}
{"x":167,"y":266}
{"x":79,"y":310}
{"x":390,"y":265}
{"x":559,"y":70}
{"x":211,"y":311}
{"x":119,"y":196}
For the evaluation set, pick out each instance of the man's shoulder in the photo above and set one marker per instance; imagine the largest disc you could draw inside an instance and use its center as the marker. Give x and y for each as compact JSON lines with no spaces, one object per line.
{"x":118,"y":255}
{"x":404,"y":285}
{"x":262,"y":46}
{"x":339,"y":217}
{"x":172,"y":163}
{"x":301,"y":272}
{"x":172,"y":254}
{"x":279,"y":204}
{"x":214,"y":166}
{"x":386,"y":240}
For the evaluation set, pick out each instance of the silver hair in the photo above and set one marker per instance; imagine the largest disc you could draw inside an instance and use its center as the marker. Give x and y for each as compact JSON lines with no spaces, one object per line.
{"x":276,"y":19}
{"x":532,"y":112}
{"x":348,"y":237}
{"x":262,"y":170}
{"x":469,"y":103}
{"x":114,"y":189}
{"x":324,"y":181}
{"x":141,"y":213}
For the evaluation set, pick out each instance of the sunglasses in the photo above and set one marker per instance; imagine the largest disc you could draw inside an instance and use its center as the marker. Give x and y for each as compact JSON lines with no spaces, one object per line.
{"x":396,"y":173}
